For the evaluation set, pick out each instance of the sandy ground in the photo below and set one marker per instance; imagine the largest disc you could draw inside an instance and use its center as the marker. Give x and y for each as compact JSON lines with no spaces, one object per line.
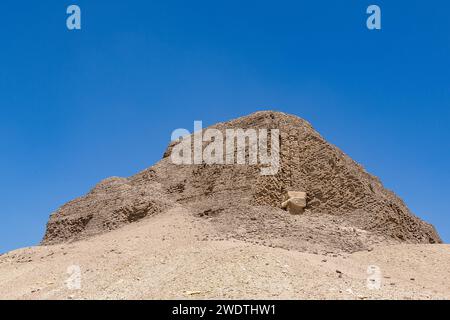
{"x":175,"y":256}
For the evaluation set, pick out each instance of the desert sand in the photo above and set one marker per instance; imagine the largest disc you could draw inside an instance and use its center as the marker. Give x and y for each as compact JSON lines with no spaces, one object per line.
{"x":176,"y":256}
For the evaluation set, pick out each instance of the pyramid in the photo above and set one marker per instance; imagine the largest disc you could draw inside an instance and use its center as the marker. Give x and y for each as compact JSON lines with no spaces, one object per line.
{"x":347,"y":208}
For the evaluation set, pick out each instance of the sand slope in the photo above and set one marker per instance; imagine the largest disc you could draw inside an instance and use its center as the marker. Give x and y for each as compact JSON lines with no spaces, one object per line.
{"x":175,"y":255}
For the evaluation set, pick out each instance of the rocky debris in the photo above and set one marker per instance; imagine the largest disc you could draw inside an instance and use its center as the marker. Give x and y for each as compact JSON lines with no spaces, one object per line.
{"x":346,"y":208}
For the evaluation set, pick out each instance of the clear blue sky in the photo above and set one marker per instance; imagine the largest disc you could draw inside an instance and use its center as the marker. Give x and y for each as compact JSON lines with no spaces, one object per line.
{"x":79,"y":106}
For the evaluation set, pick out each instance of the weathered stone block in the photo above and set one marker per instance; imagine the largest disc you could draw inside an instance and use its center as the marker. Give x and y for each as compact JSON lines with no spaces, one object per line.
{"x":295,"y":202}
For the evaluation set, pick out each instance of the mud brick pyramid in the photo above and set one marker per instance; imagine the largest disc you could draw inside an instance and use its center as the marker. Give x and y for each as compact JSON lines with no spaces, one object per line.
{"x":347,"y":208}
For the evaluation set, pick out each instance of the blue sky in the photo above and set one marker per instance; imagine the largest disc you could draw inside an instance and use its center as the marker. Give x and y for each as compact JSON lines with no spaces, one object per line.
{"x":79,"y":106}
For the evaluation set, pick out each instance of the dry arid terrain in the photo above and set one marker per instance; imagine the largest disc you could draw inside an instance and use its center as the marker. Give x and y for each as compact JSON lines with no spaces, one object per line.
{"x":175,"y":256}
{"x":219,"y":231}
